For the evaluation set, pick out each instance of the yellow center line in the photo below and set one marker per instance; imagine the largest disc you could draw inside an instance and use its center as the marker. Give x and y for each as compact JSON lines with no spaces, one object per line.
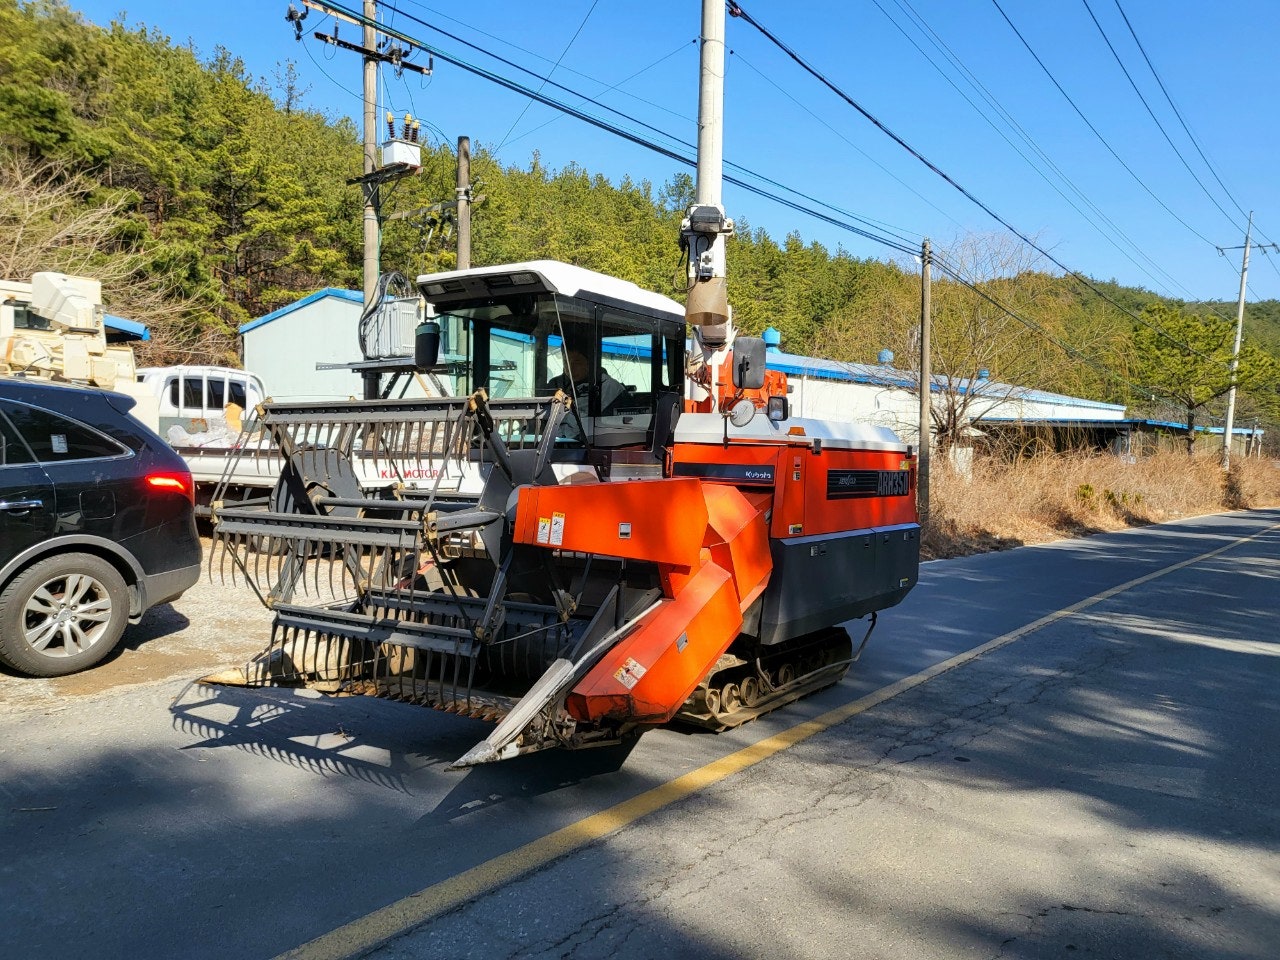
{"x":370,"y":931}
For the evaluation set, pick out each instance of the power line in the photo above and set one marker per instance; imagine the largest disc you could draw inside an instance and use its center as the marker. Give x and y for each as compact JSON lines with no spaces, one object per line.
{"x":576,"y":33}
{"x":737,"y":11}
{"x":1151,"y":113}
{"x":615,"y":86}
{"x":941,"y":44}
{"x":632,"y":136}
{"x":1026,"y":138}
{"x":870,"y":159}
{"x":1088,"y":123}
{"x":565,"y":108}
{"x":1177,"y":113}
{"x":545,"y":81}
{"x":516,"y":46}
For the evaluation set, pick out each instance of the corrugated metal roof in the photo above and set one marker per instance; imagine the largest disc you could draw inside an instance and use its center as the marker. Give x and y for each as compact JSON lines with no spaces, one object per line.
{"x":352,"y":296}
{"x":884,"y":376}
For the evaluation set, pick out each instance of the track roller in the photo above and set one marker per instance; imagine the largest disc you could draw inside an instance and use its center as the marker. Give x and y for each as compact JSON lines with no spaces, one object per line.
{"x":738,"y":690}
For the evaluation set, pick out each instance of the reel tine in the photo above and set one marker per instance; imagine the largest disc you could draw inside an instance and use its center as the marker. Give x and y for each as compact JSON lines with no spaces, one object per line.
{"x":321,"y":550}
{"x":378,"y":434}
{"x":257,"y":557}
{"x":302,"y":640}
{"x":222,"y":560}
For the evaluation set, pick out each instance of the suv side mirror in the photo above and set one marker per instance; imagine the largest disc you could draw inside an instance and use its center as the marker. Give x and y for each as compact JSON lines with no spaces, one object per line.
{"x":748,"y":363}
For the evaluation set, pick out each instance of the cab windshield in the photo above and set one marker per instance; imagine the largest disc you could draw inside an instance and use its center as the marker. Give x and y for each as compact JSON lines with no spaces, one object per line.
{"x":613,"y":362}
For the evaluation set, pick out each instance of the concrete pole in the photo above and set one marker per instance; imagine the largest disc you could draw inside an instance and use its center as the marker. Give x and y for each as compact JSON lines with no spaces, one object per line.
{"x":711,"y":105}
{"x":370,"y":152}
{"x":372,"y":380}
{"x":926,"y":382}
{"x":1235,"y":352}
{"x":463,"y":196}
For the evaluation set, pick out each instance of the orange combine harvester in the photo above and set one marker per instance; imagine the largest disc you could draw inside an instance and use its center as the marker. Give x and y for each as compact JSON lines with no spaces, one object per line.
{"x":608,"y":520}
{"x":574,"y":570}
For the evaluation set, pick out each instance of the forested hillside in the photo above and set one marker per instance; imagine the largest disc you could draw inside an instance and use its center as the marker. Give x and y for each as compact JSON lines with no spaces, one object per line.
{"x":203,"y":197}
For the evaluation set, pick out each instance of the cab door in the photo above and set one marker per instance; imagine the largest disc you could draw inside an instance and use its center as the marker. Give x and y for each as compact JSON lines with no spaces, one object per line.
{"x":27,"y":511}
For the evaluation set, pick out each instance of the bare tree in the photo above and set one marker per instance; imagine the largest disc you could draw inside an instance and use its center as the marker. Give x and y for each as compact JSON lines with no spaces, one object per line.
{"x":54,"y":218}
{"x":983,"y":357}
{"x":50,"y":220}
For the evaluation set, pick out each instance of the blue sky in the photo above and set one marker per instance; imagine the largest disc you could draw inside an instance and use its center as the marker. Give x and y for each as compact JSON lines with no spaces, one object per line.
{"x":1151,"y":225}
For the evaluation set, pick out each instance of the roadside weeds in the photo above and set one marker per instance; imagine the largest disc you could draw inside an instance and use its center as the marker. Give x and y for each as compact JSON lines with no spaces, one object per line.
{"x":1002,"y":504}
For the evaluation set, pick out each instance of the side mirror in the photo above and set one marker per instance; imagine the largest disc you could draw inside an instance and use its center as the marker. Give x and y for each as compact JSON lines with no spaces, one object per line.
{"x":748,"y":363}
{"x":779,"y":409}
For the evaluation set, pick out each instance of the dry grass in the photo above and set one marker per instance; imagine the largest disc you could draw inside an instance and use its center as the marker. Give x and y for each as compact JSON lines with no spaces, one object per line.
{"x":1003,"y":504}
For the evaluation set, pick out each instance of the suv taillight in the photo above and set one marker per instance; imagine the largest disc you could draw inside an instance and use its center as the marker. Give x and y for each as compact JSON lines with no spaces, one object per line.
{"x":174,"y":482}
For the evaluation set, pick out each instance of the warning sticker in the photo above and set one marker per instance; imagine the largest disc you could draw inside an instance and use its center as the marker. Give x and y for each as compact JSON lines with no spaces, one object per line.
{"x":544,"y":529}
{"x":629,"y":673}
{"x":557,"y":529}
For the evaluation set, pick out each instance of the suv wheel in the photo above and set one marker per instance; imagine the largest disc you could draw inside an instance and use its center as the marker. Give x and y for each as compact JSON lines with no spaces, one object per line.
{"x":62,"y":614}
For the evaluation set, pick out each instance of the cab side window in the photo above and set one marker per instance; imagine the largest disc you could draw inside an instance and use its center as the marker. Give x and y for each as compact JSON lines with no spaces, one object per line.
{"x":193,"y":393}
{"x":53,"y":438}
{"x":215,"y":395}
{"x":626,"y":358}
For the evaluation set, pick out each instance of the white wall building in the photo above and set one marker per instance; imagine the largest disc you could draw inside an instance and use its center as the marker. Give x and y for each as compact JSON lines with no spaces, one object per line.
{"x":883,"y":395}
{"x":284,"y":347}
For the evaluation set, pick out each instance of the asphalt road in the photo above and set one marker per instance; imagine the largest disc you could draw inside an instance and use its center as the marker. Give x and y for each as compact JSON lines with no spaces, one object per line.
{"x":1100,"y":781}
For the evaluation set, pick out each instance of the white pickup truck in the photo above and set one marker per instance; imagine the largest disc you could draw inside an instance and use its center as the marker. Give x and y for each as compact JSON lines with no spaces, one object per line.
{"x":201,"y":410}
{"x":202,"y":413}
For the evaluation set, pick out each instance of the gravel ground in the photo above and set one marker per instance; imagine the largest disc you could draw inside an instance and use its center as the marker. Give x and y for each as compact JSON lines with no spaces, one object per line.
{"x":211,"y":627}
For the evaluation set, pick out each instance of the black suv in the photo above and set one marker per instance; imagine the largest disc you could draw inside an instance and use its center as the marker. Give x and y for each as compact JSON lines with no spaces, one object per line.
{"x":97,"y":524}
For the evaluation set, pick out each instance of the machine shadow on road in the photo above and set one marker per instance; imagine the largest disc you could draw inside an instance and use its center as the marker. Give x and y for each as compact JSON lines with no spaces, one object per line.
{"x":390,"y":745}
{"x":331,"y":736}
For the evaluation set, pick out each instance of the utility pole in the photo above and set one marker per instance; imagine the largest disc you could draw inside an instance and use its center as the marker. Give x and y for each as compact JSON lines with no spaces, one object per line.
{"x":926,"y":382}
{"x":463,"y":196}
{"x":1235,"y":351}
{"x":372,"y":380}
{"x":370,"y":39}
{"x":372,"y":53}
